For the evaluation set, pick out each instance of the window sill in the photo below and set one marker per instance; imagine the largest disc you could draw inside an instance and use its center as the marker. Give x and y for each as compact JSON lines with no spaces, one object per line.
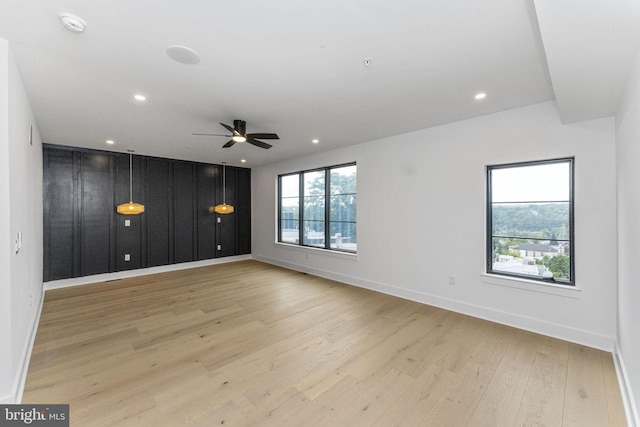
{"x":532,"y":285}
{"x":319,"y":251}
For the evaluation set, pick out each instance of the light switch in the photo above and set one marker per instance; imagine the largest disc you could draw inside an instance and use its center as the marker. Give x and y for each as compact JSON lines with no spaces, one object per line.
{"x":127,"y":257}
{"x":127,"y":222}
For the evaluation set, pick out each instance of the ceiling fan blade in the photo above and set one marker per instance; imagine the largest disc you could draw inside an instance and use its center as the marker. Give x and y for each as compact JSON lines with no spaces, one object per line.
{"x":229,"y":144}
{"x":209,"y":134}
{"x":263,"y":135}
{"x":230,"y":129}
{"x":258,"y":143}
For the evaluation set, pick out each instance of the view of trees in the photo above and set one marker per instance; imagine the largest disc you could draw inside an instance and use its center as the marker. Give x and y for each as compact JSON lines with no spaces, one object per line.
{"x":558,"y":265}
{"x":536,"y":221}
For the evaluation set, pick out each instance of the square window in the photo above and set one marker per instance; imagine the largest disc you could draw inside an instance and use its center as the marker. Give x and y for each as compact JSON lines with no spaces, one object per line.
{"x":318,"y":208}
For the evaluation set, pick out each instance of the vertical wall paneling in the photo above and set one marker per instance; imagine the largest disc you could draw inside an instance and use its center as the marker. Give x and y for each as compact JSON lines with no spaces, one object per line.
{"x":84,"y":235}
{"x":206,"y":220}
{"x":96,"y":207}
{"x":159,"y":213}
{"x":184,"y":215}
{"x":58,"y":210}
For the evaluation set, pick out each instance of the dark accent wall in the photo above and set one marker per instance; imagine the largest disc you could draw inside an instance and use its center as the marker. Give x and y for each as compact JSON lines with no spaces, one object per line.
{"x":84,"y":235}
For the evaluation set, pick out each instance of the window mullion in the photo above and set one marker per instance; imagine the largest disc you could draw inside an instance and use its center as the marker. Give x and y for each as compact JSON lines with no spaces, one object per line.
{"x":301,"y":208}
{"x":327,"y":208}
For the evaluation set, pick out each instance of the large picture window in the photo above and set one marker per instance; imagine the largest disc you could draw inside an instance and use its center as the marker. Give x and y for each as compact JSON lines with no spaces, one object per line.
{"x":318,"y":208}
{"x":530,"y":220}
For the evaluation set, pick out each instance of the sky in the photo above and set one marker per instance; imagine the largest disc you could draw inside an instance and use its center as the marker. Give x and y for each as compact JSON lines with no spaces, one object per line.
{"x":535,"y":183}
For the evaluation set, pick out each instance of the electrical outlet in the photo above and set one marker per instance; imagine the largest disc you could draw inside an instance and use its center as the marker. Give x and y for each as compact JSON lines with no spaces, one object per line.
{"x":127,"y":257}
{"x":452,"y":281}
{"x":219,"y":220}
{"x":127,"y":223}
{"x":219,"y":247}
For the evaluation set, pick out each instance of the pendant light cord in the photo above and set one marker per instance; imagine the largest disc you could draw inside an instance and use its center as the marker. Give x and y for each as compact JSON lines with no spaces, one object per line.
{"x":224,"y":183}
{"x":130,"y":177}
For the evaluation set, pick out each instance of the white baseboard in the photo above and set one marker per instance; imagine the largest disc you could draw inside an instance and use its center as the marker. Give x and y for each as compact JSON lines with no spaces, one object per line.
{"x":630,"y":408}
{"x":18,"y":390}
{"x":65,"y":283}
{"x":577,"y":336}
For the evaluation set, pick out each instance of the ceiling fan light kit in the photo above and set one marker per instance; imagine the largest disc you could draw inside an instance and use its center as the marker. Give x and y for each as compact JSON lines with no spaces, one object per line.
{"x":239,"y":138}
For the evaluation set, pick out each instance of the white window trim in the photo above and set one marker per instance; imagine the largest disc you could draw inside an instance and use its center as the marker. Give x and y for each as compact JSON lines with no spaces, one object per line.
{"x":320,"y":251}
{"x":531,"y":285}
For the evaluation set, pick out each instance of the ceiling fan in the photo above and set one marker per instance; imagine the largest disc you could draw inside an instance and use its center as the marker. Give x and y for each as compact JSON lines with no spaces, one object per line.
{"x":239,"y":134}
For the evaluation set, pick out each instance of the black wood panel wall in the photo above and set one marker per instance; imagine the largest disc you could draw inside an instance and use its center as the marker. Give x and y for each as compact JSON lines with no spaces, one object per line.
{"x":83,"y":234}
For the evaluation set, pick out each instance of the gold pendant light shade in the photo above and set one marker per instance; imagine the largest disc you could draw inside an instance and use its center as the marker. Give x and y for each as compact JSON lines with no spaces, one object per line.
{"x":223,"y":209}
{"x":130,"y":208}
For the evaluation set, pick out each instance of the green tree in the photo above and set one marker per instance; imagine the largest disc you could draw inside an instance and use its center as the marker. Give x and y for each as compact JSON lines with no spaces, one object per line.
{"x":558,"y":265}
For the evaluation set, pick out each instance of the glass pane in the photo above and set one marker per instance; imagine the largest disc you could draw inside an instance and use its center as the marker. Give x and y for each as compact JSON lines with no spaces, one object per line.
{"x":343,"y":207}
{"x":536,"y":183}
{"x":343,"y":236}
{"x":534,"y":221}
{"x":343,"y":180}
{"x":289,"y":208}
{"x":314,"y":233}
{"x":314,"y":183}
{"x":289,"y":232}
{"x":314,"y":208}
{"x":290,"y":186}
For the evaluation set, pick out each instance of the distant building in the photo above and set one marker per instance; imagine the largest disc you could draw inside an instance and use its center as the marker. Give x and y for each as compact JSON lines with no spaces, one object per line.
{"x":534,"y":250}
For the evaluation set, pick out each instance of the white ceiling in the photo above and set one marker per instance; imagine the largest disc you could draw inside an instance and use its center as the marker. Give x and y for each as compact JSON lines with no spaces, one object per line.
{"x":297,"y":68}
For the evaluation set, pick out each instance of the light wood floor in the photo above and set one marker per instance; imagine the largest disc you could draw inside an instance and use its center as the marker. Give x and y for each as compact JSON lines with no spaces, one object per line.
{"x":249,"y":344}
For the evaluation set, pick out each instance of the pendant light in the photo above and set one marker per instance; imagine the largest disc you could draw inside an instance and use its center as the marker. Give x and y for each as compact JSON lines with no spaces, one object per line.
{"x":224,"y":208}
{"x":130,"y":208}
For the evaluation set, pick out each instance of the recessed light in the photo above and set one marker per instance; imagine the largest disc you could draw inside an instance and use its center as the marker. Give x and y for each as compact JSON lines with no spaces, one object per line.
{"x":139,"y":97}
{"x":183,"y":54}
{"x":481,"y":95}
{"x":243,"y":160}
{"x":110,"y":141}
{"x":71,"y":22}
{"x":315,"y":141}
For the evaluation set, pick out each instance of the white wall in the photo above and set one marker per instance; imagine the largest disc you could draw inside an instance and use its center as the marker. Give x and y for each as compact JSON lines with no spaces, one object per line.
{"x":628,"y":170}
{"x":436,"y":178}
{"x":21,"y":185}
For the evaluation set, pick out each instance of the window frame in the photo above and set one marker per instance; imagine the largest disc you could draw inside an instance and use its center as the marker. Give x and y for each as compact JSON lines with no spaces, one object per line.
{"x":301,"y":217}
{"x":571,"y":282}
